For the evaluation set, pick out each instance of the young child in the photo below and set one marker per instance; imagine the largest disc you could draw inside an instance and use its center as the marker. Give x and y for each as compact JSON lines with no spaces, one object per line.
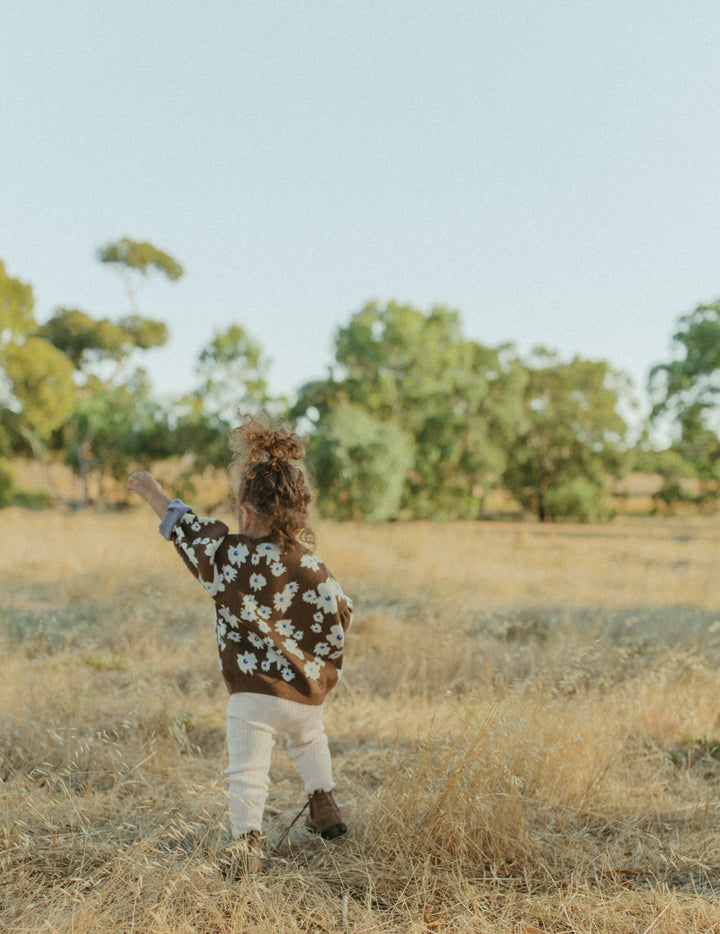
{"x":280,"y":621}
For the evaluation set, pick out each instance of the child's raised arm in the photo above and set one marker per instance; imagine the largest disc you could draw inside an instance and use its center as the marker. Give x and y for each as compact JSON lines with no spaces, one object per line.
{"x":144,"y":484}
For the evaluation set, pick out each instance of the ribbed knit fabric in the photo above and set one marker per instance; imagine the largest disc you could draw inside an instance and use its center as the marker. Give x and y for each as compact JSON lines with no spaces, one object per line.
{"x":253,"y":723}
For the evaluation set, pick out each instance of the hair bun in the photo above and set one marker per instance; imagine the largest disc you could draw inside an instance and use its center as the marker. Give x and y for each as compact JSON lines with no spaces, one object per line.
{"x":258,"y":442}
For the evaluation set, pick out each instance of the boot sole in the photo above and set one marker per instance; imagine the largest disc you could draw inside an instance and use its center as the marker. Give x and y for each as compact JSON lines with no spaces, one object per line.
{"x":331,"y":832}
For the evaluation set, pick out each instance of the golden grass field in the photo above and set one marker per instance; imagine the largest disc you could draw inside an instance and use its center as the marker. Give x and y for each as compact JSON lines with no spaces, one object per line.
{"x":526,"y":739}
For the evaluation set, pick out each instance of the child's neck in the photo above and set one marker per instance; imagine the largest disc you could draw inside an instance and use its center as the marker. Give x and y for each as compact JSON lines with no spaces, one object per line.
{"x":252,"y":525}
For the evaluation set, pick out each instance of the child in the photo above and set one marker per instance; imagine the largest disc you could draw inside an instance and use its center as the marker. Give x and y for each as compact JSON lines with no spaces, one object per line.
{"x":280,"y":621}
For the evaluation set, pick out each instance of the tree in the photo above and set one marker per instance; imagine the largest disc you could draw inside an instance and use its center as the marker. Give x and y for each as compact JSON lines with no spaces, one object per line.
{"x":686,"y":390}
{"x":17,"y":319}
{"x":134,"y":261}
{"x":572,"y":439}
{"x":359,"y":465}
{"x":112,"y":407}
{"x":90,"y":342}
{"x":114,"y":426}
{"x":455,"y":399}
{"x":232,"y":372}
{"x":97,"y":351}
{"x":37,"y":386}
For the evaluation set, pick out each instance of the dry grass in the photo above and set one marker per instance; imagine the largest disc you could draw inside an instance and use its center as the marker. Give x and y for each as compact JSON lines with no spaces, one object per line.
{"x":527,"y":737}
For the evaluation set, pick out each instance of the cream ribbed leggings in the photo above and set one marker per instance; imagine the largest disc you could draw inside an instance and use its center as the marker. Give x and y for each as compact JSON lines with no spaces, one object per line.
{"x":253,"y":723}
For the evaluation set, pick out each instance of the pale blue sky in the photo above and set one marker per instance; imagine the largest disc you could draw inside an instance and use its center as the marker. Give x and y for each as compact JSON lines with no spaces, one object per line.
{"x":550,"y":169}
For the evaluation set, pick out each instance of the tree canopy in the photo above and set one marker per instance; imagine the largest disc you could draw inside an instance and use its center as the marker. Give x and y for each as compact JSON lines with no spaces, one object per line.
{"x":686,"y":390}
{"x":412,"y":420}
{"x":470,"y":418}
{"x":572,"y":437}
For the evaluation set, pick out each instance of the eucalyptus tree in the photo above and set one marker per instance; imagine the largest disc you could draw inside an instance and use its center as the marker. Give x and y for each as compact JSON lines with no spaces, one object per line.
{"x":572,"y":438}
{"x":113,"y":411}
{"x":231,"y":378}
{"x":36,"y":385}
{"x":453,"y":400}
{"x":686,"y":392}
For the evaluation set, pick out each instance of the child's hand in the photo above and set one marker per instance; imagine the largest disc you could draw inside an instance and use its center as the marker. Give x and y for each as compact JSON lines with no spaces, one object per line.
{"x":144,"y":484}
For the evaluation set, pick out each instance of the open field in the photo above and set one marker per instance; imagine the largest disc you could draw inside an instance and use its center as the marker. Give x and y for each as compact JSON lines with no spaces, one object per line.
{"x":527,"y":737}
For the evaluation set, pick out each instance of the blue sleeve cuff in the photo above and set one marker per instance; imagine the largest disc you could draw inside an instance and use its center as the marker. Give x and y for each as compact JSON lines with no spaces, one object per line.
{"x":173,"y":514}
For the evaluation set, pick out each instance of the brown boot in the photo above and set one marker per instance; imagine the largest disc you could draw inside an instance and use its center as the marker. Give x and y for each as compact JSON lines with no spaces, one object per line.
{"x":244,"y":857}
{"x":324,"y":817}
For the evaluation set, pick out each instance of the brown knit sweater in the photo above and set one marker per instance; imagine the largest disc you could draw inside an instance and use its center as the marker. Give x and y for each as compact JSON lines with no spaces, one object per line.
{"x":280,"y":617}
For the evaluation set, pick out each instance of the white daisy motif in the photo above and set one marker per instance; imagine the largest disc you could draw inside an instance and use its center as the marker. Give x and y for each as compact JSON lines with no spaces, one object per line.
{"x":255,"y":559}
{"x":257,"y":581}
{"x":312,"y":670}
{"x":310,"y":561}
{"x":270,"y":552}
{"x":216,"y":585}
{"x":211,"y":546}
{"x":229,"y":573}
{"x":265,"y":665}
{"x":291,"y":646}
{"x":277,"y":568}
{"x":190,"y":552}
{"x":284,"y":599}
{"x":247,"y":662}
{"x":238,"y":554}
{"x":322,"y":648}
{"x":328,"y":592}
{"x":288,"y":674}
{"x":264,"y":612}
{"x":256,"y":640}
{"x":284,"y":627}
{"x":228,"y":616}
{"x":316,"y":627}
{"x":249,"y":608}
{"x":336,"y":637}
{"x":319,"y":617}
{"x":262,"y":625}
{"x":310,"y":596}
{"x":220,"y":631}
{"x":235,"y":637}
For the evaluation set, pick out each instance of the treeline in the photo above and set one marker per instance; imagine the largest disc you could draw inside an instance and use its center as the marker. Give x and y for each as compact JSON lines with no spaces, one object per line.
{"x":412,"y":420}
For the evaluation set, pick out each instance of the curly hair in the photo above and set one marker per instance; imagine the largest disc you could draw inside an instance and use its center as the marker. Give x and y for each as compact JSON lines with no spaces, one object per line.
{"x":268,"y":475}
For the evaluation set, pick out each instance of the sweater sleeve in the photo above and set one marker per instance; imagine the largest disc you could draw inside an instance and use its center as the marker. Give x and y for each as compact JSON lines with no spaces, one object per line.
{"x":197,"y":540}
{"x":175,"y":511}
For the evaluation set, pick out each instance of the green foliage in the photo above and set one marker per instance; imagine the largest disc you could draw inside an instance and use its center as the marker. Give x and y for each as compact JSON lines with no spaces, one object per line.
{"x":233,"y":373}
{"x":575,"y":498}
{"x":16,"y":307}
{"x":114,"y":427}
{"x":87,"y":341}
{"x":143,"y":333}
{"x":113,"y":423}
{"x":42,"y":385}
{"x":686,"y":390}
{"x":359,"y":464}
{"x":56,"y":379}
{"x":232,"y":370}
{"x":141,"y":257}
{"x":7,"y":483}
{"x":456,"y":400}
{"x":572,"y":439}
